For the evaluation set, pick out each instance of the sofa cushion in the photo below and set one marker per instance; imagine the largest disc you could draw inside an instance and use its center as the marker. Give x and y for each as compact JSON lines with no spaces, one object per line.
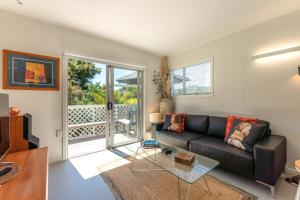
{"x":217,"y":126}
{"x":167,"y":122}
{"x":230,"y":121}
{"x":180,"y":140}
{"x":177,"y":122}
{"x":244,"y":135}
{"x":196,"y":123}
{"x":230,"y":158}
{"x":268,"y":130}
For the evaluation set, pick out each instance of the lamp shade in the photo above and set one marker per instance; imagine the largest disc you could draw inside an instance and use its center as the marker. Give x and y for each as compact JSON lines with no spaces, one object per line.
{"x":155,"y":117}
{"x":297,"y":165}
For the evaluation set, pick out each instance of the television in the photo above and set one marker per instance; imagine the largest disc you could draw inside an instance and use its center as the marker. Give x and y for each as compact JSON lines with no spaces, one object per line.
{"x":8,"y":170}
{"x":4,"y":125}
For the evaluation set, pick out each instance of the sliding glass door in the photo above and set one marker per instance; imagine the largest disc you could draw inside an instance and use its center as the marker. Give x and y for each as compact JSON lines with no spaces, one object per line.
{"x":86,"y":107}
{"x":125,"y":105}
{"x":104,"y":106}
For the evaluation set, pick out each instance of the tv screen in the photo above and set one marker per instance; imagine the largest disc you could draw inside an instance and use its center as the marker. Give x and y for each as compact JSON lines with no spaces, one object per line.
{"x":4,"y":125}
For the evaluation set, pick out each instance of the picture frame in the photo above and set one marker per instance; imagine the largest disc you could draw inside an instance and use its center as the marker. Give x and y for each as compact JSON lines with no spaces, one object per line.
{"x":27,"y":71}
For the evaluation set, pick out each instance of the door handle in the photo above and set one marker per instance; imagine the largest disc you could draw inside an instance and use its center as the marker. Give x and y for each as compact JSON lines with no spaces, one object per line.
{"x":109,"y":105}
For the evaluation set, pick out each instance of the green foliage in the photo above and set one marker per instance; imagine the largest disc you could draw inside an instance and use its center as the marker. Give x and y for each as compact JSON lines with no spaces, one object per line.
{"x":95,"y":94}
{"x":82,"y":91}
{"x":126,"y":95}
{"x":75,"y":94}
{"x":81,"y":73}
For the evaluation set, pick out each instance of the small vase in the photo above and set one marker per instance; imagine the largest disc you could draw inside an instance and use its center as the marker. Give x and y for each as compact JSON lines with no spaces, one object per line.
{"x":165,"y":106}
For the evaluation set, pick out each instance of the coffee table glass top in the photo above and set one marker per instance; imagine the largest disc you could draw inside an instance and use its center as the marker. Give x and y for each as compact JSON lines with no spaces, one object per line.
{"x":190,"y":174}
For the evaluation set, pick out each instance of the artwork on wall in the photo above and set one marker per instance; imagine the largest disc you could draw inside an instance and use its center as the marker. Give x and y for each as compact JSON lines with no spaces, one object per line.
{"x":26,"y":71}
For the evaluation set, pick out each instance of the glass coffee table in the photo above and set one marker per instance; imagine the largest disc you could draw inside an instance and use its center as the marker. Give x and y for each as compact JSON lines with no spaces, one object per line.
{"x":189,"y":174}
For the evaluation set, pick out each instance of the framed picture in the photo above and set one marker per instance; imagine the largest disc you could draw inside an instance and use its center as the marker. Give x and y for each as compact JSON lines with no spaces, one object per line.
{"x":26,"y":71}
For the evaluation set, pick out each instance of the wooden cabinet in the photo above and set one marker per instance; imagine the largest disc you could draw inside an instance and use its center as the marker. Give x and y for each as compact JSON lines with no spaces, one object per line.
{"x":31,"y":182}
{"x":17,"y":142}
{"x":21,"y":137}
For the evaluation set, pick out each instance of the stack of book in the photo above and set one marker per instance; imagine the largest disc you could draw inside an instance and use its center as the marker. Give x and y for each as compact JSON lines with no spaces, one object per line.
{"x":150,"y":143}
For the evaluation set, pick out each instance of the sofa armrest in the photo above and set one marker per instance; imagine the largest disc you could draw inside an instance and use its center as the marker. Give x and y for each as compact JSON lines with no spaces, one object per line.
{"x":270,"y":159}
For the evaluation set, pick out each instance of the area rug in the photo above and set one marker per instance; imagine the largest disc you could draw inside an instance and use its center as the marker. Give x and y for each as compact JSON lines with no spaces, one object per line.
{"x":128,"y":185}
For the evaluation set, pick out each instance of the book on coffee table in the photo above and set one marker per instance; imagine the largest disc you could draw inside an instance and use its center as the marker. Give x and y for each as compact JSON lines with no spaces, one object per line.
{"x":150,"y":143}
{"x":185,"y":158}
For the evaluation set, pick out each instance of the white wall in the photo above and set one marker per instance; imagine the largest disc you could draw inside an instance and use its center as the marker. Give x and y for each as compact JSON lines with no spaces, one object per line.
{"x":268,"y":88}
{"x":24,"y":34}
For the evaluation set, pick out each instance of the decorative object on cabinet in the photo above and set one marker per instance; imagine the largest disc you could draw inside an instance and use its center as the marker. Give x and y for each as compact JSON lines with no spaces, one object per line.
{"x":14,"y":111}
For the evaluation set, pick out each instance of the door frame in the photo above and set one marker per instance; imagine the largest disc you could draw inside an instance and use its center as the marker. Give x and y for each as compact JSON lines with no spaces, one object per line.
{"x":66,"y":57}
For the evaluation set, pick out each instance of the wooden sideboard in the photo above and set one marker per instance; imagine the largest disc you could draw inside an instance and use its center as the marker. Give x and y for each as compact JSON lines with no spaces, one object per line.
{"x":21,"y":137}
{"x":31,"y":182}
{"x":18,"y":143}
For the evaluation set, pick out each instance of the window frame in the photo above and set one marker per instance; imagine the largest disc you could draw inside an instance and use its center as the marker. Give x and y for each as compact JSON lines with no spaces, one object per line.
{"x":185,"y":65}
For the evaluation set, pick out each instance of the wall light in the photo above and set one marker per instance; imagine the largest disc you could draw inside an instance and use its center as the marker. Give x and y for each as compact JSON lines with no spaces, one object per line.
{"x":278,"y":52}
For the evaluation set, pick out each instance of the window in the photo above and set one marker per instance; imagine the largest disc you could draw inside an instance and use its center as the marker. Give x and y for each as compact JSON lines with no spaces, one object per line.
{"x":195,"y":79}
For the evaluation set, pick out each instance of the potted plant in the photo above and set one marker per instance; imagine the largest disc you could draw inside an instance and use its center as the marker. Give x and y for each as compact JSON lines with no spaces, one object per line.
{"x":162,"y":89}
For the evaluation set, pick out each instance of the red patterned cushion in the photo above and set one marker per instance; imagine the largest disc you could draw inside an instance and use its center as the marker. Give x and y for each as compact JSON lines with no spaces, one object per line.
{"x":177,"y":122}
{"x":182,"y":115}
{"x":230,"y":120}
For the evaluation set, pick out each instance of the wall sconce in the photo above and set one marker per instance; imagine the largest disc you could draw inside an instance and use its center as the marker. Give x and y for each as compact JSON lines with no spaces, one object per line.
{"x":278,"y":52}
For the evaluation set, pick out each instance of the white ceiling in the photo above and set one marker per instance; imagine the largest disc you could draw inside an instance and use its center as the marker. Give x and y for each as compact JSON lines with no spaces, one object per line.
{"x":163,"y":27}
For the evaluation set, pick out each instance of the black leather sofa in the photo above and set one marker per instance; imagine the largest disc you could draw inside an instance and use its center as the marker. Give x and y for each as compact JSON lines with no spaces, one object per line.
{"x":205,"y":135}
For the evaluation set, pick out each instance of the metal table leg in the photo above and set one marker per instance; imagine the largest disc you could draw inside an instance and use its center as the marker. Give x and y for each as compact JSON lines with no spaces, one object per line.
{"x":178,"y":184}
{"x":131,"y":167}
{"x":208,"y":190}
{"x":153,"y":160}
{"x":188,"y":192}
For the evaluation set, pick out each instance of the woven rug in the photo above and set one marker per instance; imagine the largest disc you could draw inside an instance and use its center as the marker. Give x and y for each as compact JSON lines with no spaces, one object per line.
{"x":128,"y":185}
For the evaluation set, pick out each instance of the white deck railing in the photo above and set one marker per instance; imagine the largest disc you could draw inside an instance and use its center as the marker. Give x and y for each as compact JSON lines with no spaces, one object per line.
{"x":89,"y":120}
